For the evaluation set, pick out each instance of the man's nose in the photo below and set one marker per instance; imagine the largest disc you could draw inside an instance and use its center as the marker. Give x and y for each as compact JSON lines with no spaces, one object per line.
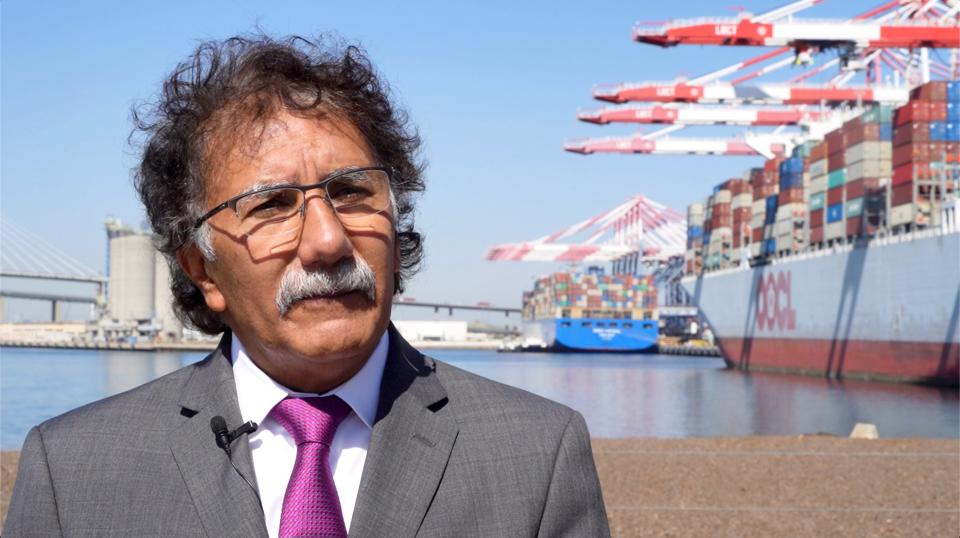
{"x":323,"y":240}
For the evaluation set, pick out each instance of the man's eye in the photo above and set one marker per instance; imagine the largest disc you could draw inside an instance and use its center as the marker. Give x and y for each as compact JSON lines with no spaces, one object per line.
{"x":350,"y":188}
{"x":270,"y":204}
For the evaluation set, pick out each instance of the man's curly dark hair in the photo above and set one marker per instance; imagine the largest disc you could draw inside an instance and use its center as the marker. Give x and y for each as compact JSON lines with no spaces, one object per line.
{"x":226,"y":85}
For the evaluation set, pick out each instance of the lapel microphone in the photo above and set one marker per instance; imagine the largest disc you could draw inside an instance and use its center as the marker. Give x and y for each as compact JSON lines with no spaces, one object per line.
{"x":224,"y":437}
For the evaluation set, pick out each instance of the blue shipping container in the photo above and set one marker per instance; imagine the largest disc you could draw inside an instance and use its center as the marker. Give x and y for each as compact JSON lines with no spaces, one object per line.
{"x":835,"y":213}
{"x":791,"y":165}
{"x":938,"y":131}
{"x":953,"y":111}
{"x":953,"y":131}
{"x":953,"y":91}
{"x":886,"y":131}
{"x":694,"y":231}
{"x":771,"y":205}
{"x":791,"y":180}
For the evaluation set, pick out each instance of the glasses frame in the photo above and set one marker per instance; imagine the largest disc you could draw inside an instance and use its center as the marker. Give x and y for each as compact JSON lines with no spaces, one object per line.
{"x":232,"y":202}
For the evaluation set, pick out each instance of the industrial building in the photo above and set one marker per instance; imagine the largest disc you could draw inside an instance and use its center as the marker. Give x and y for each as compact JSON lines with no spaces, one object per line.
{"x":139,"y":301}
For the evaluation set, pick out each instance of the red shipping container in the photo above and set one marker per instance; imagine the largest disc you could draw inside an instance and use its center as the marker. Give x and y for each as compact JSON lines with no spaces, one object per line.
{"x":914,"y":151}
{"x":721,"y":209}
{"x":910,"y":171}
{"x":816,"y":218}
{"x":737,"y":186}
{"x":942,"y":151}
{"x":835,"y":161}
{"x":871,"y":184}
{"x":742,"y":214}
{"x":935,"y":90}
{"x":721,"y":221}
{"x":851,"y":126}
{"x":938,"y":111}
{"x":835,"y":142}
{"x":853,"y":226}
{"x":868,"y":131}
{"x":816,"y":234}
{"x":901,"y":194}
{"x":790,"y":196}
{"x":835,"y":196}
{"x":764,"y":191}
{"x":854,"y":189}
{"x":914,"y":111}
{"x":756,"y":234}
{"x":911,"y":132}
{"x":818,"y":152}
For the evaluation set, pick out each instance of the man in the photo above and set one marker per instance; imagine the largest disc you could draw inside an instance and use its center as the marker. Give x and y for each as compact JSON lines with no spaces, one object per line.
{"x":278,"y":178}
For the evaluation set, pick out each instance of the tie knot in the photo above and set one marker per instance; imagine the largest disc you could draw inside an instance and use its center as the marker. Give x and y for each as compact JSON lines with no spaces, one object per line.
{"x":312,"y":419}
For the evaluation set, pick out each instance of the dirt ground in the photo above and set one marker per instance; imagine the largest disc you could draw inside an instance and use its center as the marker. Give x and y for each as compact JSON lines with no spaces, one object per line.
{"x":763,"y":486}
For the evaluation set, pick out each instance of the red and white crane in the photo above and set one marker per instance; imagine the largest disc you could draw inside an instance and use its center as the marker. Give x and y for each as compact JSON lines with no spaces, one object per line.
{"x":762,"y":94}
{"x":638,"y":224}
{"x":726,"y":115}
{"x":709,"y":100}
{"x":767,"y":146}
{"x":778,"y":28}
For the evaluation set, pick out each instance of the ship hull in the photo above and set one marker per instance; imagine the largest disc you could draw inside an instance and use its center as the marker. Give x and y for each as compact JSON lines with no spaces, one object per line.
{"x":889,"y":310}
{"x":593,"y":335}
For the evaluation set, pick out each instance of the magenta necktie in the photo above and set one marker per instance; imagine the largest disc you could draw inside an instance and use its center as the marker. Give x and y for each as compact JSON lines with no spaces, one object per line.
{"x":311,"y":506}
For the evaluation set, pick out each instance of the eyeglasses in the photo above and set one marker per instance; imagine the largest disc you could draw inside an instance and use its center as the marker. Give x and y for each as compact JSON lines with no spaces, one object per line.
{"x":268,"y":212}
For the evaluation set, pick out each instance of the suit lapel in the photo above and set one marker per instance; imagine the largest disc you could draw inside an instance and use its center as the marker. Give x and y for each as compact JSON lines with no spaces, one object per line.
{"x":409,"y":448}
{"x":224,"y":492}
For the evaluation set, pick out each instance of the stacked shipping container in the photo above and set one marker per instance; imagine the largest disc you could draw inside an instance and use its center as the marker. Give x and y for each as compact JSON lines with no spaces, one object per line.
{"x":881,"y":167}
{"x":926,"y":134}
{"x":868,"y":152}
{"x":591,"y":295}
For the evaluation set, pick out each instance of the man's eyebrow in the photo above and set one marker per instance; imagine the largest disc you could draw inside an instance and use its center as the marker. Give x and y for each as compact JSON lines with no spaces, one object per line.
{"x":265,"y":184}
{"x":285,"y":182}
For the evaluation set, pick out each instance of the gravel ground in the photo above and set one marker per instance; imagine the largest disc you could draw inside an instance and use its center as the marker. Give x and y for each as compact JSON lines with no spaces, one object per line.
{"x":763,"y":486}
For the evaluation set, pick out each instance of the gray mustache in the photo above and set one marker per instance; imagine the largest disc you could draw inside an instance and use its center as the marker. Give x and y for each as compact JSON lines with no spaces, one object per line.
{"x":352,"y":274}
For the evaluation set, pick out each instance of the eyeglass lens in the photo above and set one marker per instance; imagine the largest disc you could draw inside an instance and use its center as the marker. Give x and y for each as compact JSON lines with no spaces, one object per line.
{"x":352,"y":195}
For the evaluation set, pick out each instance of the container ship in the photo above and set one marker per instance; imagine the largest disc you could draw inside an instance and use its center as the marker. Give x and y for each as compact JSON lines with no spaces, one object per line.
{"x":591,"y":312}
{"x":843,"y":259}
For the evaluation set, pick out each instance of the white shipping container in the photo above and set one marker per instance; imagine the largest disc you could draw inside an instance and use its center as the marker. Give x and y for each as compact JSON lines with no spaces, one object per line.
{"x":783,"y":228}
{"x":862,"y":169}
{"x":834,"y":230}
{"x":695,"y":209}
{"x":725,"y":233}
{"x":818,"y":184}
{"x":818,"y":168}
{"x":870,"y":150}
{"x":759,"y":207}
{"x":754,"y":250}
{"x":722,"y":197}
{"x":785,"y":243}
{"x":756,"y":221}
{"x":902,"y":214}
{"x":742,"y":200}
{"x":796,"y":210}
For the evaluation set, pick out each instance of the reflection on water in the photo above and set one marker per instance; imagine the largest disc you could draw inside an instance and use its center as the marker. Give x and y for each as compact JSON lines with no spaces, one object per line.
{"x":620,"y":395}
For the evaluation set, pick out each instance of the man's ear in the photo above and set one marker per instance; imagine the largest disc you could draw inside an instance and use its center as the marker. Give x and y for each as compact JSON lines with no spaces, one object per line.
{"x":195,"y":266}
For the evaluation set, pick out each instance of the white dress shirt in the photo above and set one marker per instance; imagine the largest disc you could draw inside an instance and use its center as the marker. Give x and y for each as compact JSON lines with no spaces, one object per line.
{"x":272,"y":446}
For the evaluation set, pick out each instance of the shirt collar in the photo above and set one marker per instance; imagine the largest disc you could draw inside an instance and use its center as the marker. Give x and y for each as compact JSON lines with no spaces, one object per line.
{"x":258,"y":393}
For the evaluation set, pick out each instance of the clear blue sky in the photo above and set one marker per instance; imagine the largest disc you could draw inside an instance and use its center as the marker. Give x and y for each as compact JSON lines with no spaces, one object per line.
{"x":494,"y":88}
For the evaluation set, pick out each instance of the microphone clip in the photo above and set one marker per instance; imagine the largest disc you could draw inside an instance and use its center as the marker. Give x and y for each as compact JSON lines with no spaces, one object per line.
{"x":224,"y":437}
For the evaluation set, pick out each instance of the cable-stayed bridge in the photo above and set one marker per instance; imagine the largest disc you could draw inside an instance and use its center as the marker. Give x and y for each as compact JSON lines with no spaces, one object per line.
{"x":25,"y":255}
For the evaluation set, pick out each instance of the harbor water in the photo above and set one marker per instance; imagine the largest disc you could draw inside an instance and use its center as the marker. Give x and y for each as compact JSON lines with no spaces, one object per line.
{"x":621,"y":396}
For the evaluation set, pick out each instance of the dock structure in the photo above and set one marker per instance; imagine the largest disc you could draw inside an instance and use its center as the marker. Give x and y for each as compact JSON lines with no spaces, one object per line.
{"x":780,"y":486}
{"x":762,"y":486}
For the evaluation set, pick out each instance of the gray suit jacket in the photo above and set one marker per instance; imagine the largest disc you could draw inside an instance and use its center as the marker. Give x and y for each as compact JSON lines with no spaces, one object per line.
{"x":451,"y":454}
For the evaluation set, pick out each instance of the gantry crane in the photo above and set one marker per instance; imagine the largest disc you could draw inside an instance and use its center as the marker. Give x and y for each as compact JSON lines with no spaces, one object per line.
{"x":884,"y":37}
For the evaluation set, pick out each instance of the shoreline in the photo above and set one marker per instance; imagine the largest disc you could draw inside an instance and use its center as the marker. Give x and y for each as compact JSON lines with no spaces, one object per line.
{"x":761,"y":486}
